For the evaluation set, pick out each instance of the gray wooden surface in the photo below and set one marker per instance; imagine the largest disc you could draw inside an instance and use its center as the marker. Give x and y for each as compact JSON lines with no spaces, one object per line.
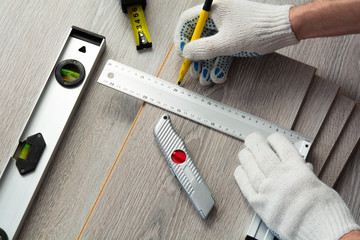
{"x":31,"y":37}
{"x":315,"y":108}
{"x":330,"y":131}
{"x":334,"y":57}
{"x":349,"y":186}
{"x":343,"y":149}
{"x":32,"y":43}
{"x":32,"y":40}
{"x":160,"y":209}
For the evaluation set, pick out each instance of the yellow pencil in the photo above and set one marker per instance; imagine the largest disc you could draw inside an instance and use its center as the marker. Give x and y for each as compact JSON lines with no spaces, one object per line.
{"x":196,"y":35}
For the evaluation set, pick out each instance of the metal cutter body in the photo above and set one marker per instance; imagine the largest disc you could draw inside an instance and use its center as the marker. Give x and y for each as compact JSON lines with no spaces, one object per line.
{"x":182,"y":166}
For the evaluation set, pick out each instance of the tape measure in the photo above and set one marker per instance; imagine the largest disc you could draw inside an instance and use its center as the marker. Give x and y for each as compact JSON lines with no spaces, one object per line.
{"x":134,"y":8}
{"x":200,"y":109}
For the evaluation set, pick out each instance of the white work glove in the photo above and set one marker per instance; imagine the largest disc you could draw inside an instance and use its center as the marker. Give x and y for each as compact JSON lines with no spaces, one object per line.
{"x":287,"y":195}
{"x":234,"y":28}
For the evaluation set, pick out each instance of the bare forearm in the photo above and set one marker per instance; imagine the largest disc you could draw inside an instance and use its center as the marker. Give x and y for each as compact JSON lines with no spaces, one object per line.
{"x":353,"y":235}
{"x":323,"y":18}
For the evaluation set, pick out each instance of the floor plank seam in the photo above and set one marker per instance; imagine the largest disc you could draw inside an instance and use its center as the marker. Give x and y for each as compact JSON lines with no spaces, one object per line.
{"x":321,"y":173}
{"x":110,"y":172}
{"x":303,"y":102}
{"x":121,"y":151}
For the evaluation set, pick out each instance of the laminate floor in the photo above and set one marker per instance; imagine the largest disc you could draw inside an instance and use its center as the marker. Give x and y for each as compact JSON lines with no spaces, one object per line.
{"x":158,"y":208}
{"x":109,"y":179}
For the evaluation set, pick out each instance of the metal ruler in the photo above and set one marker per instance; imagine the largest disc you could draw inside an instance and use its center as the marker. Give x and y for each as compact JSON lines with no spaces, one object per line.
{"x":45,"y":127}
{"x":198,"y":108}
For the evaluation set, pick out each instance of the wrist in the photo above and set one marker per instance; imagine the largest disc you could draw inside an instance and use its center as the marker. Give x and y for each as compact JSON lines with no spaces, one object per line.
{"x":299,"y":17}
{"x":322,"y":18}
{"x":353,"y":235}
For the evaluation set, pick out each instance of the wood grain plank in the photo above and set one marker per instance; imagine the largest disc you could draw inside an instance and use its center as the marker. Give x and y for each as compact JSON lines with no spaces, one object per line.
{"x":101,"y":124}
{"x":143,"y":200}
{"x":348,"y":186}
{"x":255,"y":85}
{"x":317,"y":103}
{"x":330,"y":131}
{"x":33,"y":39}
{"x":70,"y":189}
{"x":343,"y":149}
{"x":336,"y":59}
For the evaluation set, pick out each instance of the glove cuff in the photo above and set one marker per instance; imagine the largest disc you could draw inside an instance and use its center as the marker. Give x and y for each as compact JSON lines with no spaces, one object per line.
{"x":274,"y":28}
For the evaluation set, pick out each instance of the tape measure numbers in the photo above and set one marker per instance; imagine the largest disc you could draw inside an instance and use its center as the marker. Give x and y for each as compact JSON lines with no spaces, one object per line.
{"x":139,"y":27}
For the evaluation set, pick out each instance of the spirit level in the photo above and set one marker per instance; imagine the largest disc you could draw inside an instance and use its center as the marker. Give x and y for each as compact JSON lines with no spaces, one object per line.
{"x":45,"y":127}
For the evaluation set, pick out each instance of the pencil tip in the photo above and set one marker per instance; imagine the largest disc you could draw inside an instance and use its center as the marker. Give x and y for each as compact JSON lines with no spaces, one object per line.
{"x":180,"y":79}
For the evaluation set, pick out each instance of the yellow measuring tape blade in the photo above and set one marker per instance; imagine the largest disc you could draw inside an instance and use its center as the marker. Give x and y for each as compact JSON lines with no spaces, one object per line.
{"x":139,"y":27}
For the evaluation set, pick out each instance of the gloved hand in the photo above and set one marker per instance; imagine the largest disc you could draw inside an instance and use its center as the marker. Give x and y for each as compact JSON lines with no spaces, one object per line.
{"x":234,"y":28}
{"x":286,"y":194}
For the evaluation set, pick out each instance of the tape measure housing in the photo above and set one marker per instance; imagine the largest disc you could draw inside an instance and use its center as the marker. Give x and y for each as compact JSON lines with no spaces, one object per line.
{"x":139,"y":27}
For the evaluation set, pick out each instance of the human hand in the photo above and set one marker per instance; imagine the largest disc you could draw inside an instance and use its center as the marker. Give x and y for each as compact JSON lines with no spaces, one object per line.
{"x":238,"y":28}
{"x":286,"y":194}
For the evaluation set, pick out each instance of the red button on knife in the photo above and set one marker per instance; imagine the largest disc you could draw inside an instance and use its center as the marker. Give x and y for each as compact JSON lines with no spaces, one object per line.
{"x":178,"y":156}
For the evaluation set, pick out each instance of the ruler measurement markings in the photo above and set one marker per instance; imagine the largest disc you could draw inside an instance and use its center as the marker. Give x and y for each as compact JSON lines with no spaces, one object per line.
{"x":156,"y":91}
